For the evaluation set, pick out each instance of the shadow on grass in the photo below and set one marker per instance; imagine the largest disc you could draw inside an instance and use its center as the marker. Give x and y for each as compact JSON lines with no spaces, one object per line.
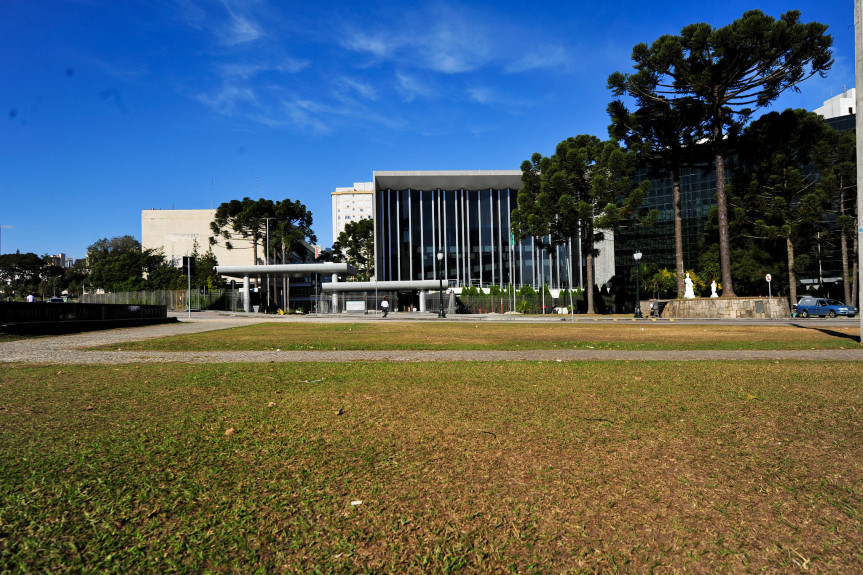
{"x":830,"y":332}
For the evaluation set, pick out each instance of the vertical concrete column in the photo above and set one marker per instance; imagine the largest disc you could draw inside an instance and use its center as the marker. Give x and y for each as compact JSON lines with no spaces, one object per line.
{"x":335,"y":296}
{"x":423,"y":294}
{"x":247,"y":298}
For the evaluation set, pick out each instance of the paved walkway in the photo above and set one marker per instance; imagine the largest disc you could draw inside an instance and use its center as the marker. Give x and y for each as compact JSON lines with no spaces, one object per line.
{"x":72,"y":349}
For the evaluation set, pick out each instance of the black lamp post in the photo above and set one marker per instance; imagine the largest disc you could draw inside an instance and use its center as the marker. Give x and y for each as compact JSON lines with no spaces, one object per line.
{"x":637,"y":257}
{"x":440,"y":312}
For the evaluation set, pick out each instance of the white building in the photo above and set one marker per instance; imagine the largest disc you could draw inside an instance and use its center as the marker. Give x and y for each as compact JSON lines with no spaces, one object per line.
{"x":351,"y":204}
{"x":176,"y":231}
{"x":845,"y":104}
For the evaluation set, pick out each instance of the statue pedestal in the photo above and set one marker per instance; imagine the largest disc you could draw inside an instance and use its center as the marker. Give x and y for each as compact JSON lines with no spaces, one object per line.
{"x":727,"y":308}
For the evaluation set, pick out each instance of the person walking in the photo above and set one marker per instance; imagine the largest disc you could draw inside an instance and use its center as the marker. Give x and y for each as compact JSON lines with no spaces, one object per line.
{"x":385,"y":306}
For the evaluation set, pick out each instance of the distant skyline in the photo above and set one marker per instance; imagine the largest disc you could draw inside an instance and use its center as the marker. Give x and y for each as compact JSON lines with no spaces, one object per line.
{"x":117,"y":107}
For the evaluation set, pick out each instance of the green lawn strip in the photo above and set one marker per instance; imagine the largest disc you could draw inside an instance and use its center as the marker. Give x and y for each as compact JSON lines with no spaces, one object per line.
{"x":522,"y":466}
{"x":485,"y":336}
{"x":10,"y":337}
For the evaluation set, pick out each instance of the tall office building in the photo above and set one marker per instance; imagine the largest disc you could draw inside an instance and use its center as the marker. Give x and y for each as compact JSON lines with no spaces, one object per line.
{"x":350,"y":205}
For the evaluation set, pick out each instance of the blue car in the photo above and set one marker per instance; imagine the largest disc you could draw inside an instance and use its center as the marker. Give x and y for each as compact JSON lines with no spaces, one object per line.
{"x":809,"y":305}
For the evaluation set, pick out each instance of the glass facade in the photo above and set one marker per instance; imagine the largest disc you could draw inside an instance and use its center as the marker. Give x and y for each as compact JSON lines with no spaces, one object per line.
{"x":698,"y":196}
{"x":472,"y":228}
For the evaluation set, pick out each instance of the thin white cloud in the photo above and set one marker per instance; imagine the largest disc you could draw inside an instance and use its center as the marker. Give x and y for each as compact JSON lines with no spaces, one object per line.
{"x":444,"y":40}
{"x":308,"y":114}
{"x":238,"y":29}
{"x":548,"y":57}
{"x":246,"y":71}
{"x":226,"y":100}
{"x":483,"y":95}
{"x":380,"y":46}
{"x":409,"y":87}
{"x":363,"y":89}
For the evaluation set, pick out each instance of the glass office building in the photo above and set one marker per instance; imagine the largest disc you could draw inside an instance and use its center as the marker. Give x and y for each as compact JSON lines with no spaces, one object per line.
{"x":697,"y":198}
{"x":464,"y":215}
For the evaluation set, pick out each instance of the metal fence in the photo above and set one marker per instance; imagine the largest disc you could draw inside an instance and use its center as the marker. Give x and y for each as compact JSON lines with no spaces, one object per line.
{"x":341,"y":302}
{"x":370,"y":303}
{"x":177,"y":300}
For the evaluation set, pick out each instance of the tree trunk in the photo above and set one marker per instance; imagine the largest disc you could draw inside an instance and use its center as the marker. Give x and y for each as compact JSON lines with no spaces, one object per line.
{"x":724,"y":241}
{"x":722,"y":210}
{"x":843,"y":240}
{"x":678,"y":233}
{"x":588,"y":242}
{"x":792,"y":279}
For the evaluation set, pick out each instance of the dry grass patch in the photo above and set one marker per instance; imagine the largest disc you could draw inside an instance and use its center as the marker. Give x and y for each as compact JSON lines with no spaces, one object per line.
{"x":702,"y":466}
{"x":490,"y":336}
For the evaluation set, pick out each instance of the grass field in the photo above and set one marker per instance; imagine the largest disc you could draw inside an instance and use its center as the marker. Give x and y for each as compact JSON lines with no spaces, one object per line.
{"x":412,"y":467}
{"x":394,"y":335}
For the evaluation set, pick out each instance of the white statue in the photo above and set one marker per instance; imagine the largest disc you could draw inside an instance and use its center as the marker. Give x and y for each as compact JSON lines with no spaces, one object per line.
{"x":689,"y":293}
{"x":713,"y":289}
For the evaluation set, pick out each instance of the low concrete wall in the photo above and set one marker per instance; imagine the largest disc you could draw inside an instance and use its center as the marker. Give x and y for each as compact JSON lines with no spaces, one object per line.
{"x":724,"y":308}
{"x":55,"y":318}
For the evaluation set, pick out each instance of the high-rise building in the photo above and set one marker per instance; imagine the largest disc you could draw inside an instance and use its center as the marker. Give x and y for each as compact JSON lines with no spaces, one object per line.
{"x":350,"y":205}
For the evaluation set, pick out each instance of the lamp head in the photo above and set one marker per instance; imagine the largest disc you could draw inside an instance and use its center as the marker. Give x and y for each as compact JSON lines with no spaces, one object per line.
{"x":637,"y":255}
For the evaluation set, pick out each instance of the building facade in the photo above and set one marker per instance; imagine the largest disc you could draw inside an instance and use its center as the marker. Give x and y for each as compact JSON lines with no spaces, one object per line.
{"x":175,"y":232}
{"x":466,"y":217}
{"x":350,"y":205}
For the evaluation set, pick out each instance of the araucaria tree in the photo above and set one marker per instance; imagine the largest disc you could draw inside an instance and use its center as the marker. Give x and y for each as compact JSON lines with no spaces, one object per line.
{"x":246,"y":218}
{"x":777,"y":185}
{"x":355,"y":246}
{"x":663,"y":134}
{"x":585,"y":189}
{"x":835,"y":157}
{"x":288,"y":223}
{"x":730,"y":72}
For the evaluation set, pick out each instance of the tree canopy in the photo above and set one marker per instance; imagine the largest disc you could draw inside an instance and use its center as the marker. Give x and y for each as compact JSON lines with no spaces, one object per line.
{"x":289,"y":224}
{"x":776,"y":186}
{"x":355,"y":246}
{"x":583,"y":190}
{"x":119,"y":265}
{"x":728,"y":73}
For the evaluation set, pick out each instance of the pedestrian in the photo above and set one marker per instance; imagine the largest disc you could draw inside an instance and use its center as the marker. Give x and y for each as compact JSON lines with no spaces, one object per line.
{"x":385,"y":306}
{"x":652,"y":307}
{"x":31,"y":298}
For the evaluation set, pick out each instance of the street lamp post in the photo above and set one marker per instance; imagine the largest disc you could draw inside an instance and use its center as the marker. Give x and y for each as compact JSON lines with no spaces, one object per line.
{"x":637,"y":257}
{"x":440,"y":312}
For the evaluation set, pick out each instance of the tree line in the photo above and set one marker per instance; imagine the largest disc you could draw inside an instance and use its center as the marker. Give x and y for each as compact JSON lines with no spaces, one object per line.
{"x":120,"y":264}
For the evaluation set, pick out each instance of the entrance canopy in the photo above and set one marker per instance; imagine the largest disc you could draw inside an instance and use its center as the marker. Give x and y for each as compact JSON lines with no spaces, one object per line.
{"x":383,"y":286}
{"x":292,"y":270}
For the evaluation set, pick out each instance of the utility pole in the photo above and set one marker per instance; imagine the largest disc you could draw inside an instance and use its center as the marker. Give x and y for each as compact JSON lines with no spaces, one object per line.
{"x":858,"y":73}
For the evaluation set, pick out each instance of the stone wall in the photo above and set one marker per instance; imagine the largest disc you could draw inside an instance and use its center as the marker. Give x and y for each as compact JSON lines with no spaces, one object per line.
{"x":55,"y":318}
{"x":723,"y":308}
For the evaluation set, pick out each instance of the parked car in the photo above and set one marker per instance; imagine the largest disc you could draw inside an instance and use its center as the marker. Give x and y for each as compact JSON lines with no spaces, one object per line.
{"x":809,"y":305}
{"x":56,"y":299}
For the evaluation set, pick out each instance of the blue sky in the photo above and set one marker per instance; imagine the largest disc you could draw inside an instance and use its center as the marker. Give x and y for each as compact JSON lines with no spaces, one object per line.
{"x":116,"y":107}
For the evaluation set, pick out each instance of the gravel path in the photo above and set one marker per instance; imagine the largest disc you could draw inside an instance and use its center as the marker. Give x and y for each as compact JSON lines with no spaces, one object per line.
{"x":71,"y":349}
